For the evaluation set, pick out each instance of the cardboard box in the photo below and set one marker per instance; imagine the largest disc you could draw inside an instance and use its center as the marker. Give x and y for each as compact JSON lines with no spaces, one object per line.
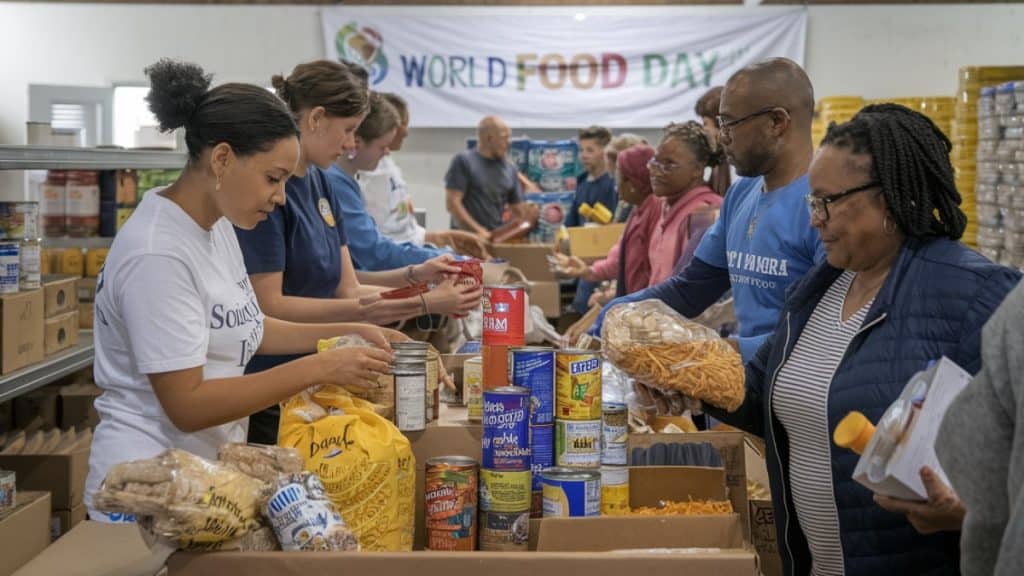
{"x":640,"y":533}
{"x":93,"y":548}
{"x":594,"y":242}
{"x":76,"y":406}
{"x":763,"y":536}
{"x":87,"y":289}
{"x":942,"y":382}
{"x":61,"y":332}
{"x":24,"y":531}
{"x":60,"y":292}
{"x":62,"y":475}
{"x":531,"y":259}
{"x":548,"y":296}
{"x":21,"y":330}
{"x":86,"y":315}
{"x":730,"y":446}
{"x":62,"y":521}
{"x":36,"y":410}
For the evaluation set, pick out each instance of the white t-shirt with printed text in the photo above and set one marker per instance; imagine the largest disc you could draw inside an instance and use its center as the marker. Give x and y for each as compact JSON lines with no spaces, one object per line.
{"x":171,"y":296}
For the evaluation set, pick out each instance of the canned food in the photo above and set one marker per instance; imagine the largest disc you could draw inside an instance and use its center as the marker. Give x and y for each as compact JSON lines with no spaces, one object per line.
{"x":54,"y":203}
{"x":30,"y":264}
{"x":19,"y":220}
{"x":533,"y":367}
{"x":8,"y":490}
{"x":504,"y":531}
{"x":504,"y":490}
{"x":542,"y":451}
{"x":10,"y":263}
{"x":578,"y":443}
{"x":571,"y":493}
{"x":94,"y":261}
{"x":506,"y":420}
{"x":72,"y":262}
{"x":504,"y":315}
{"x":495,"y":366}
{"x":577,"y":385}
{"x":410,"y":395}
{"x":473,"y":389}
{"x":614,"y":491}
{"x":450,"y":490}
{"x":614,"y":434}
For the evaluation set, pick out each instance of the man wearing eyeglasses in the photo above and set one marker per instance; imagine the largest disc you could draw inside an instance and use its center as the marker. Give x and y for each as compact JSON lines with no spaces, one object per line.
{"x":762,"y":242}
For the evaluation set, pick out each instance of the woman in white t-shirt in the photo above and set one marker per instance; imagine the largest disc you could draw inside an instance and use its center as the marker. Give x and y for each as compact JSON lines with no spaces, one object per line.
{"x":176,"y":316}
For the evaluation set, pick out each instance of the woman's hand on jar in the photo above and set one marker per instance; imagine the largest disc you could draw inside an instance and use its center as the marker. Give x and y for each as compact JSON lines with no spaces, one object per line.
{"x":434,"y":270}
{"x":942,"y":512}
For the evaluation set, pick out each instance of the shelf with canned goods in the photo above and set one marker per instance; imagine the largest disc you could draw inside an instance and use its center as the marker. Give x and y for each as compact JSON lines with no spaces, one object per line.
{"x":49,"y":370}
{"x":13,"y":157}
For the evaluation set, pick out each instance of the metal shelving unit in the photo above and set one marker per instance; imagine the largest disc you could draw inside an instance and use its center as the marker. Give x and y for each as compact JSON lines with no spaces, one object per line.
{"x":50,"y":370}
{"x":56,"y":158}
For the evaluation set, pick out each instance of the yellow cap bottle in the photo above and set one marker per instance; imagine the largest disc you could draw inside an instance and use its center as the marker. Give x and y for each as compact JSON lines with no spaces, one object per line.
{"x":854,"y":432}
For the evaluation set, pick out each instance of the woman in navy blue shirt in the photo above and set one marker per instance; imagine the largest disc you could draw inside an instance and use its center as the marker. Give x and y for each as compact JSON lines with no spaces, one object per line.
{"x":297,"y":259}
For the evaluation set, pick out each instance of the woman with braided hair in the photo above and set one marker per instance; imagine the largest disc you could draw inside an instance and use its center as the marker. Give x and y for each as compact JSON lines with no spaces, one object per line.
{"x":897,"y":292}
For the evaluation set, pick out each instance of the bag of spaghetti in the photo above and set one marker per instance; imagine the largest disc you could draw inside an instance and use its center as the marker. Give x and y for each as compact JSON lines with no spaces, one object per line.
{"x":366,"y":465}
{"x":657,"y":346}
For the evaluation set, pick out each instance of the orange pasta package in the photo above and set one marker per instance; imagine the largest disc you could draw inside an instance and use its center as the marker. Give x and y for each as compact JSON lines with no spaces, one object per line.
{"x":656,"y":346}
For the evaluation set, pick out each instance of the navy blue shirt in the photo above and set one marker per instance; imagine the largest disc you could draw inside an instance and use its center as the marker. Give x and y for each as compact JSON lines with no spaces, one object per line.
{"x":591,"y":191}
{"x":302,"y":239}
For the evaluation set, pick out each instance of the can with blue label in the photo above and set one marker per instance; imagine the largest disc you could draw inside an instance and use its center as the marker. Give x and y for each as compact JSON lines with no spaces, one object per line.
{"x":10,"y":266}
{"x":506,"y":421}
{"x":542,"y":456}
{"x":571,"y":493}
{"x":533,"y":367}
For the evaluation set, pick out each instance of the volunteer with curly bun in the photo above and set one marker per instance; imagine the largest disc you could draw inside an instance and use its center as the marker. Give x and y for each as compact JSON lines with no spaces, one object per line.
{"x":298,"y":259}
{"x":176,"y":316}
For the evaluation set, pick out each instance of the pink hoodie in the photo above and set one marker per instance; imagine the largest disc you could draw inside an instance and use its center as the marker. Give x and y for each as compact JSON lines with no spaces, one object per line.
{"x":673,"y":232}
{"x":634,"y":242}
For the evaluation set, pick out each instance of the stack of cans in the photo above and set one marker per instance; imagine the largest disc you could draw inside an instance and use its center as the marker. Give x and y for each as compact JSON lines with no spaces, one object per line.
{"x":533,"y":368}
{"x":505,"y":475}
{"x":614,"y":472}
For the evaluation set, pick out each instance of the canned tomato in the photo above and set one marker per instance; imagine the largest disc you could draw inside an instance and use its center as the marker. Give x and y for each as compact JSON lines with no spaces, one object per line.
{"x":578,"y":443}
{"x":504,"y":315}
{"x":614,"y":491}
{"x":614,"y":434}
{"x":19,"y":220}
{"x":577,"y":385}
{"x":10,"y":263}
{"x":473,"y":388}
{"x":495,"y":366}
{"x":450,"y":508}
{"x":542,"y":451}
{"x":30,"y":264}
{"x":504,"y":531}
{"x":504,"y":490}
{"x":533,"y":367}
{"x":570,"y":493}
{"x":506,"y":419}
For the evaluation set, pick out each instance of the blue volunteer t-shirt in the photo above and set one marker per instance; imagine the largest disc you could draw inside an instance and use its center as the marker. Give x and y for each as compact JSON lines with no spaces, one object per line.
{"x":302,"y":239}
{"x":591,"y":191}
{"x":767,"y":243}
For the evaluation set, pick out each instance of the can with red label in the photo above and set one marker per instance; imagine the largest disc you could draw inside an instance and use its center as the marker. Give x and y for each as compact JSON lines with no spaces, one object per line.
{"x":504,"y":315}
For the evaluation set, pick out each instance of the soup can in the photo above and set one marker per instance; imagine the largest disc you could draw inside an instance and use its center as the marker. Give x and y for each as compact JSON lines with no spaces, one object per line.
{"x":533,"y":367}
{"x":571,"y":493}
{"x":506,"y":422}
{"x":450,"y":491}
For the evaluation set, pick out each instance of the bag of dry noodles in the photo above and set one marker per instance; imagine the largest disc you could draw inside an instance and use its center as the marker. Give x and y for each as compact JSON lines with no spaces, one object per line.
{"x":657,"y":346}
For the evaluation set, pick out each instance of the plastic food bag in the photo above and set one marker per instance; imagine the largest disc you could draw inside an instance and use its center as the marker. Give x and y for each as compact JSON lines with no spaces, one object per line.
{"x":195,"y":504}
{"x":366,"y":464}
{"x":266,"y":463}
{"x":304,"y":519}
{"x":655,"y":345}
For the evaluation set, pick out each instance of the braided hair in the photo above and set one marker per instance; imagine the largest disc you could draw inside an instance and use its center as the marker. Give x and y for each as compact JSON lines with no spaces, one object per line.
{"x":694,"y":137}
{"x":910,"y":160}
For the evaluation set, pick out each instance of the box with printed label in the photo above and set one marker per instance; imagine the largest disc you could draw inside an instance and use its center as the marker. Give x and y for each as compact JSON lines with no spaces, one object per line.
{"x":21,"y":330}
{"x":61,"y":294}
{"x":763,"y":536}
{"x":61,"y":332}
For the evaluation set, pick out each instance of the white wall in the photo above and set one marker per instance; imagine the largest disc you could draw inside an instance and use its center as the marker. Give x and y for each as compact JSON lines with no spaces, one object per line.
{"x":874,"y":51}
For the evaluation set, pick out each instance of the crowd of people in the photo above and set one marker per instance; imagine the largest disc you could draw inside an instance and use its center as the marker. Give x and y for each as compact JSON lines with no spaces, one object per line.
{"x":291,"y":219}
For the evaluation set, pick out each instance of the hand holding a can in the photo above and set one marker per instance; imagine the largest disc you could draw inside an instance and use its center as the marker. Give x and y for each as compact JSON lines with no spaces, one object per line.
{"x":434,"y":270}
{"x":451,"y":298}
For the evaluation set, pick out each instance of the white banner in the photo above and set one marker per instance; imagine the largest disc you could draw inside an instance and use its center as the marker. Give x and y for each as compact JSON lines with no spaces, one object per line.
{"x":553,"y":69}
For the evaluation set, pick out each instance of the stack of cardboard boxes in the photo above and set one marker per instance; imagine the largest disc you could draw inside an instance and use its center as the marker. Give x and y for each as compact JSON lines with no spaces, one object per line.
{"x":60,"y":292}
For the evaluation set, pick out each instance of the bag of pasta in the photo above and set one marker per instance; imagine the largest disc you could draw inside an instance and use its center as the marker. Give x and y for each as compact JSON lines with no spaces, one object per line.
{"x":366,"y":464}
{"x":655,"y":345}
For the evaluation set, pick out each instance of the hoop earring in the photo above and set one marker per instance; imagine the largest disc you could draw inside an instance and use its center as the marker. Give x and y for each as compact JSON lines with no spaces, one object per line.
{"x":885,"y":226}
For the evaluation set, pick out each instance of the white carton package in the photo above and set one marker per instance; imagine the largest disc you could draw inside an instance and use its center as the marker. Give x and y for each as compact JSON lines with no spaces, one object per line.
{"x":924,"y":400}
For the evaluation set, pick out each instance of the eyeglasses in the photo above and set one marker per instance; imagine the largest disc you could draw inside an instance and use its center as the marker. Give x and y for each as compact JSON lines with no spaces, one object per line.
{"x":818,"y":206}
{"x":726,"y":126}
{"x":655,"y":166}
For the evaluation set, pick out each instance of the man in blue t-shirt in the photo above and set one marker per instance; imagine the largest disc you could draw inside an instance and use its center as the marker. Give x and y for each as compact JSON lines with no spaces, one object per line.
{"x":762,"y":242}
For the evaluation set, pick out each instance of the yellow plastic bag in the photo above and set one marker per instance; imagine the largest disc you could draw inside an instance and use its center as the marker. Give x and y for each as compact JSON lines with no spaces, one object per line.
{"x":365,"y":463}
